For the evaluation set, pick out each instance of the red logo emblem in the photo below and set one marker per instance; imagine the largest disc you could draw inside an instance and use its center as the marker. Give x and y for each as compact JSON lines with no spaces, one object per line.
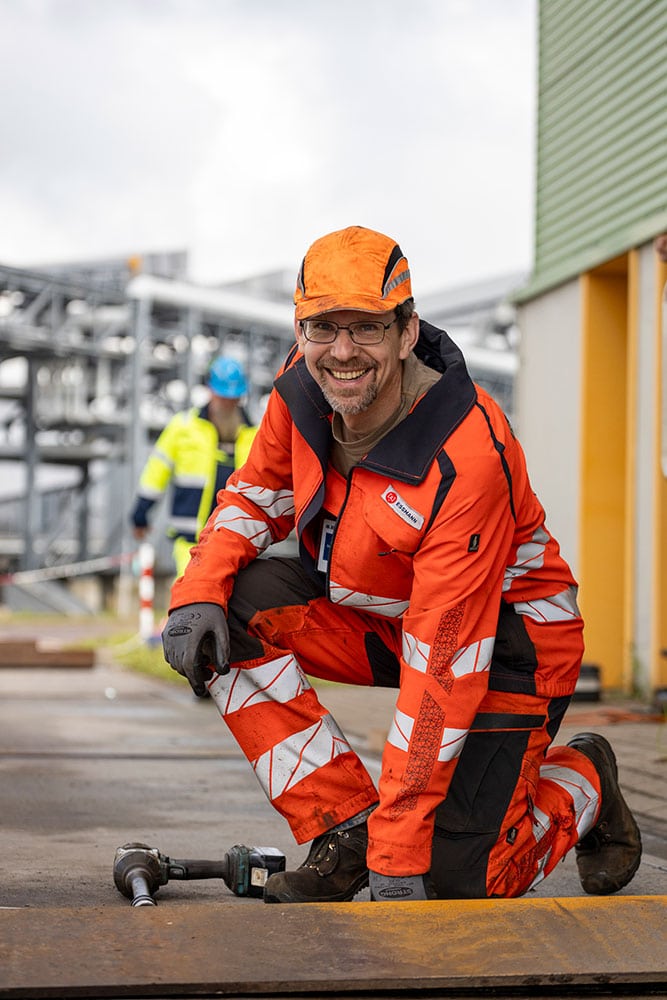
{"x":391,"y":497}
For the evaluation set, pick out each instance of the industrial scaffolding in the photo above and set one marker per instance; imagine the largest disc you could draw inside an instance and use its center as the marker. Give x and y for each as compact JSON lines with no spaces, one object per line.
{"x":95,"y":359}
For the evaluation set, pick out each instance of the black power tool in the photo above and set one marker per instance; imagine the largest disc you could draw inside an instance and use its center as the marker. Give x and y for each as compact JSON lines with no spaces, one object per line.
{"x":140,"y":870}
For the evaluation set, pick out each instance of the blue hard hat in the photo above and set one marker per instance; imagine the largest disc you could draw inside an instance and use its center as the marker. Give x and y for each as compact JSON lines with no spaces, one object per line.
{"x":226,"y":378}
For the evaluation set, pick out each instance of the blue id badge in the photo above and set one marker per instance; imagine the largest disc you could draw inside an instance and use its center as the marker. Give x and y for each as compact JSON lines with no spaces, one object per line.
{"x":326,"y":539}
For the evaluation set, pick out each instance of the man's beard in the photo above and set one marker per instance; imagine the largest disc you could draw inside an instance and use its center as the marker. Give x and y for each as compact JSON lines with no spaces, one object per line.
{"x":348,"y":407}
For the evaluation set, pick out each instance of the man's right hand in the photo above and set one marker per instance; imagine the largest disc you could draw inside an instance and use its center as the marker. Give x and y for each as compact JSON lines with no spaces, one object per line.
{"x":195,"y":641}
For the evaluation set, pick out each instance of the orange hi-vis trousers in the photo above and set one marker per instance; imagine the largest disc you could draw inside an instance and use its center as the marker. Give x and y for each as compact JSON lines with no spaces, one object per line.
{"x":515,"y":805}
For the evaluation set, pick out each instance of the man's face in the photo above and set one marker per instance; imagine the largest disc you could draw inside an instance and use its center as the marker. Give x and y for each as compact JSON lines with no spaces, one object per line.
{"x":358,"y":379}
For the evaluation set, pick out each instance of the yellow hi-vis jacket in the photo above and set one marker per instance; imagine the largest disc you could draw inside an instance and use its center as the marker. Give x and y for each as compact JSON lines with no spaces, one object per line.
{"x":189,"y":456}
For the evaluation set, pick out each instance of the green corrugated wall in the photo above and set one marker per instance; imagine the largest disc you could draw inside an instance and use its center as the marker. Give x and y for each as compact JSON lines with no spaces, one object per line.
{"x":601,"y":133}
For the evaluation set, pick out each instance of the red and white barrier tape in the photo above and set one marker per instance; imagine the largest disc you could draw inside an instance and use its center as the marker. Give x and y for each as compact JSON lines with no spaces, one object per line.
{"x":64,"y":572}
{"x":146,"y":560}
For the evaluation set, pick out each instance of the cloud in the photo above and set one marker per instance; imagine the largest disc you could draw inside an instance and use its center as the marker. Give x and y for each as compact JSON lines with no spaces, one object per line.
{"x":101,"y":135}
{"x":243,"y":130}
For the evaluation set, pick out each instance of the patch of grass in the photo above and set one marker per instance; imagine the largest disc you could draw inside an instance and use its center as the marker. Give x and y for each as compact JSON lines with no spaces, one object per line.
{"x":95,"y":641}
{"x":147,"y":659}
{"x":123,"y":643}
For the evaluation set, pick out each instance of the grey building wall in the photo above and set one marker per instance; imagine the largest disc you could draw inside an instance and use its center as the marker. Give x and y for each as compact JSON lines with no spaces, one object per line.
{"x":549,"y":407}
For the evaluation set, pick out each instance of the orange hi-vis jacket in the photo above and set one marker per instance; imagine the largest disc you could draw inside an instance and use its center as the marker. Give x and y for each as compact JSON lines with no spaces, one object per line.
{"x":433,"y":529}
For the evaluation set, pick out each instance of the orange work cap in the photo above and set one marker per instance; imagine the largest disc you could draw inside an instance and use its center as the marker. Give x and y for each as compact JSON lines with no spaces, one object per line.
{"x":353,"y":268}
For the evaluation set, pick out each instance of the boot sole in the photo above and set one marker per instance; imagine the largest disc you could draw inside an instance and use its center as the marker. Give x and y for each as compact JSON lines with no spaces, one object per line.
{"x":287,"y":896}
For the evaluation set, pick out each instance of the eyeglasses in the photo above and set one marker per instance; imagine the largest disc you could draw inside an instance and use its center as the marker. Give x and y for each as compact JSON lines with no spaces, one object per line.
{"x":363,"y":333}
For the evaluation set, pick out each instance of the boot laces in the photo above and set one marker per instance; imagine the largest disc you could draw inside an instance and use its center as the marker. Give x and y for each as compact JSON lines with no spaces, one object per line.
{"x":324,"y":849}
{"x":596,"y":838}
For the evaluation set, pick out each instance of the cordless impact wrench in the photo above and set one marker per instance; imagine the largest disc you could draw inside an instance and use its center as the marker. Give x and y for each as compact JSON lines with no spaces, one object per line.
{"x":140,"y":870}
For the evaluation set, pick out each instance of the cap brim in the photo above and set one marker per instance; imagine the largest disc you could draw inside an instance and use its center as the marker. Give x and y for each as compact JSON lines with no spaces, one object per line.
{"x":306,"y":308}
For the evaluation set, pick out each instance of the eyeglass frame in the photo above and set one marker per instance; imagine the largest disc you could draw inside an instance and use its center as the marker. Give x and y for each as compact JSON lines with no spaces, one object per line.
{"x":348,"y":327}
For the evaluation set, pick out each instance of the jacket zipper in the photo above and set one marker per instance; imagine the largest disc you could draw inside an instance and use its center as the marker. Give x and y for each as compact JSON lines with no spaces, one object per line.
{"x":335,"y":531}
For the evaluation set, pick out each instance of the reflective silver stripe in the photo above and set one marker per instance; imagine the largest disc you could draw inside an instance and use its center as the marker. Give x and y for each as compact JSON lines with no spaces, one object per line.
{"x":162,"y":456}
{"x":529,"y":556}
{"x":237,"y":520}
{"x":386,"y":606}
{"x":585,"y":802}
{"x":279,"y":680}
{"x":451,"y":743}
{"x":584,"y":797}
{"x":473,"y":659}
{"x":190,"y":482}
{"x":400,"y":730}
{"x":298,"y":756}
{"x":559,"y":608}
{"x":468,"y":660}
{"x":541,"y":865}
{"x":275,"y":503}
{"x":400,"y":733}
{"x":415,"y":652}
{"x":184,"y":524}
{"x":403,"y":276}
{"x":149,"y":493}
{"x":541,"y":825}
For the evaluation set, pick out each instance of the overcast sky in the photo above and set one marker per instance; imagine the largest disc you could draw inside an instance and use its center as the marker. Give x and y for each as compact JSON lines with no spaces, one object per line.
{"x":241,"y":130}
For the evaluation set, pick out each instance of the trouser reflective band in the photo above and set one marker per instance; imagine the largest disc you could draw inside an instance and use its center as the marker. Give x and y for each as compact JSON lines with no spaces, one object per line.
{"x":278,"y":680}
{"x":585,"y":801}
{"x":301,"y":758}
{"x":302,"y":754}
{"x":541,"y":826}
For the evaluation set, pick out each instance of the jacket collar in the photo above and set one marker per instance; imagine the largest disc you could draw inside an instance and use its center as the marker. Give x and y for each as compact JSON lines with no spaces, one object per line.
{"x":406,"y":452}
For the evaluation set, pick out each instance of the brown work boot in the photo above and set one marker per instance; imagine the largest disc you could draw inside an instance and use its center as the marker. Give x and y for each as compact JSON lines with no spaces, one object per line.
{"x":334,"y":871}
{"x":608,"y":855}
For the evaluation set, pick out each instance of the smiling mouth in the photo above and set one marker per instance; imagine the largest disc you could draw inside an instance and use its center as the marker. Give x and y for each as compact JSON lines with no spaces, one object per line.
{"x":347,"y":376}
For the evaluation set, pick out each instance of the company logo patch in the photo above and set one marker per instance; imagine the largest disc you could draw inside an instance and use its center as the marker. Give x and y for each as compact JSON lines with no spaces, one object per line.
{"x":400,"y":507}
{"x":179,"y":630}
{"x":395,"y":892}
{"x":473,"y":544}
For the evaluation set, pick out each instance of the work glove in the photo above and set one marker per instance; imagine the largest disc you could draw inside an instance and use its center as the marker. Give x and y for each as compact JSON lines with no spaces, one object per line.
{"x":195,"y":641}
{"x":399,"y":888}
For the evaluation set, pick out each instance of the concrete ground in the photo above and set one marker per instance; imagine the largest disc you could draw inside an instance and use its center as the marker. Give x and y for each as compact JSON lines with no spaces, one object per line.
{"x":93,"y":758}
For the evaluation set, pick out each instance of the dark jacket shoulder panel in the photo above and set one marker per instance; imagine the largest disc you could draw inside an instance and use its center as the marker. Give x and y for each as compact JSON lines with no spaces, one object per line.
{"x":406,"y":452}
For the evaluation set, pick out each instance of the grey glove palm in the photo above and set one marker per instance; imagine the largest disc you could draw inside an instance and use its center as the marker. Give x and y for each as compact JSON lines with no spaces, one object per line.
{"x":195,"y":640}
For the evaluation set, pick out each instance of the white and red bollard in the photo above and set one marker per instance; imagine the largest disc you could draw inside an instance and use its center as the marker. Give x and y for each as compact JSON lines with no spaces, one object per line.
{"x":146,"y":591}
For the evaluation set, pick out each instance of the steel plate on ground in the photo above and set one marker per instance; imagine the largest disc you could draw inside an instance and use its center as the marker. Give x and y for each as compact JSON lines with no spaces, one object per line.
{"x":325,"y":949}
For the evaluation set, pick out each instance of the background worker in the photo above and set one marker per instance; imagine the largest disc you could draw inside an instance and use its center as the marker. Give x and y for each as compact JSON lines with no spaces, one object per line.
{"x":424,"y":563}
{"x":195,"y":454}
